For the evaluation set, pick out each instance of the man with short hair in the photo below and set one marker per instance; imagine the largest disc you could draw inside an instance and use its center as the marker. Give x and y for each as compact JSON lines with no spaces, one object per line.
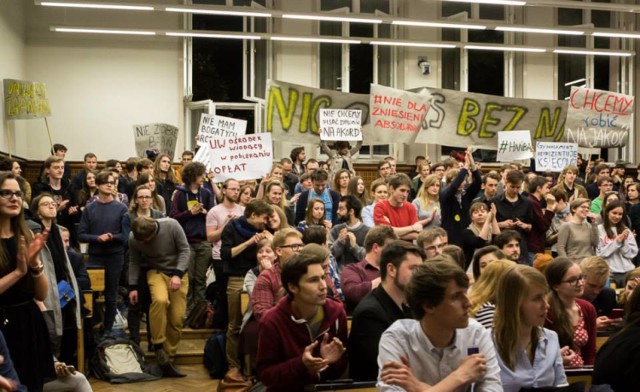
{"x":543,"y":208}
{"x":455,"y":351}
{"x":268,"y":289}
{"x":288,"y":178}
{"x":384,"y":170}
{"x":329,"y":197}
{"x":419,"y":159}
{"x":596,"y":274}
{"x":145,"y":165}
{"x":128,"y":182}
{"x":311,"y":349}
{"x":360,"y":278}
{"x":238,"y":253}
{"x":162,"y":247}
{"x":438,"y":169}
{"x":432,"y":242}
{"x":569,"y":184}
{"x":509,"y":243}
{"x":392,"y":165}
{"x":490,"y":183}
{"x":311,"y":166}
{"x":605,"y":184}
{"x":346,"y":240}
{"x":90,"y":164}
{"x":186,"y":158}
{"x":60,"y":150}
{"x":601,"y":170}
{"x":381,"y":308}
{"x":397,"y":211}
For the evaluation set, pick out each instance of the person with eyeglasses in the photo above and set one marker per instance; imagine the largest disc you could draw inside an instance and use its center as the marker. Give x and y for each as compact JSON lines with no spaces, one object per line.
{"x":104,"y":225}
{"x":433,"y":241}
{"x":577,"y":237}
{"x":572,"y":318}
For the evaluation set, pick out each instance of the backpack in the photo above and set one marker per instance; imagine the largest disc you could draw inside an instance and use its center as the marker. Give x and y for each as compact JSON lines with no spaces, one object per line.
{"x":119,"y":360}
{"x":215,"y":358}
{"x":201,"y":316}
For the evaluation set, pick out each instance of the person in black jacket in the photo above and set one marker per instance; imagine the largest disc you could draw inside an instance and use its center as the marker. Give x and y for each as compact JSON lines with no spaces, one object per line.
{"x":381,"y":308}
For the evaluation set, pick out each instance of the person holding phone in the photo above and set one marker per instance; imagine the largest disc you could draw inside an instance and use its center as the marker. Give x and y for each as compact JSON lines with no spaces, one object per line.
{"x":616,"y":243}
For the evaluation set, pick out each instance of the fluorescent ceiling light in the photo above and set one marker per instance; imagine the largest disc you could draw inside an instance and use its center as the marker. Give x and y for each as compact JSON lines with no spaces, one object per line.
{"x":538,"y":30}
{"x":593,"y":52}
{"x":497,"y":2}
{"x":102,"y":31}
{"x":332,"y":18}
{"x":415,"y":44}
{"x":96,"y":6}
{"x":218,"y":12}
{"x":575,"y":82}
{"x":439,"y":24}
{"x":319,"y":39}
{"x":211,"y":35}
{"x":505,"y":48}
{"x":616,"y":35}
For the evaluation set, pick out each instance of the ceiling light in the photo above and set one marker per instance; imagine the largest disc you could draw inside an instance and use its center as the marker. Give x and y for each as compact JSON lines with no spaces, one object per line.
{"x":96,"y":6}
{"x":615,"y":35}
{"x":218,"y":12}
{"x":102,"y":31}
{"x":505,"y":48}
{"x":439,"y":24}
{"x":496,"y":2}
{"x":332,"y":18}
{"x":538,"y":30}
{"x":575,"y":82}
{"x":415,"y":44}
{"x":312,"y":39}
{"x":593,"y":52}
{"x":210,"y":35}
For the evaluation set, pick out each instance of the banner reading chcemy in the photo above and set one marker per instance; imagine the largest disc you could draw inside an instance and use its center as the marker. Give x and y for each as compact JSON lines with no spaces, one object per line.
{"x":159,"y":137}
{"x":219,"y":127}
{"x":25,"y":100}
{"x":340,"y":124}
{"x":599,"y":118}
{"x":460,"y":119}
{"x":242,"y":158}
{"x":555,"y":156}
{"x":514,"y":145}
{"x":396,"y":115}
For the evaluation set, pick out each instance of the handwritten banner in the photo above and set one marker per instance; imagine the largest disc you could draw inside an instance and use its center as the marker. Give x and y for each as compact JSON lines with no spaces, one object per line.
{"x":397,"y":115}
{"x":159,"y":137}
{"x":514,"y":145}
{"x":340,"y":124}
{"x":25,"y":100}
{"x":555,"y":156}
{"x":219,"y":127}
{"x":599,"y":118}
{"x":242,"y":158}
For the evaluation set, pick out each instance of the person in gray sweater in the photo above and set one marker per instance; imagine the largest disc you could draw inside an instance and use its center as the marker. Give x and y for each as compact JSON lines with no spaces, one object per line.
{"x":346,"y":240}
{"x":165,"y":250}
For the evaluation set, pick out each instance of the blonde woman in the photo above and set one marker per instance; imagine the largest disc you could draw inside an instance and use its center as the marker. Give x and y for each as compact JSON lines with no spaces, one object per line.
{"x":427,"y":201}
{"x":483,"y":292}
{"x":528,"y":354}
{"x":274,"y":194}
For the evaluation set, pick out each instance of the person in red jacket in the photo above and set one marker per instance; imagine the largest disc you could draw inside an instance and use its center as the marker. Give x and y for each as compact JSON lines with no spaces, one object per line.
{"x":300,"y":340}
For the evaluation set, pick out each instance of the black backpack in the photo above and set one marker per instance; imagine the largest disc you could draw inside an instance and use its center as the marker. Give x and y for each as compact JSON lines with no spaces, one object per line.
{"x":119,"y":360}
{"x":215,"y":357}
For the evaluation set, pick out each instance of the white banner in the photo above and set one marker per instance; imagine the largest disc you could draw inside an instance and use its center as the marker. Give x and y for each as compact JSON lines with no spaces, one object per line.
{"x":242,"y":158}
{"x":555,"y":156}
{"x":158,"y":137}
{"x":397,"y":115}
{"x":514,"y":145}
{"x":340,"y":124}
{"x":219,"y":127}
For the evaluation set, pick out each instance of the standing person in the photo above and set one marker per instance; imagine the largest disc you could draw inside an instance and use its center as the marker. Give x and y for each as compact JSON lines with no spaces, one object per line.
{"x":384,"y":171}
{"x":340,"y":156}
{"x":88,"y":191}
{"x":490,"y":183}
{"x":427,"y":201}
{"x":165,"y":177}
{"x":238,"y":253}
{"x":528,"y":354}
{"x":437,"y":295}
{"x":22,"y":280}
{"x":616,"y":244}
{"x":481,"y":231}
{"x":158,"y":202}
{"x":190,"y":206}
{"x":539,"y":195}
{"x":424,"y":169}
{"x":217,"y":218}
{"x":341,"y":181}
{"x":105,"y":226}
{"x":572,"y":318}
{"x":298,"y":156}
{"x":397,"y":212}
{"x":601,"y":170}
{"x":576,"y":237}
{"x":127,"y":183}
{"x":90,"y":164}
{"x":60,"y":150}
{"x":162,"y":246}
{"x":605,"y":185}
{"x":568,"y":185}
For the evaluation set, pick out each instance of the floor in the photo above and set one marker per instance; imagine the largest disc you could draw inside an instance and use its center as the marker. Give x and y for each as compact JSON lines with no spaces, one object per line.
{"x":197,"y":379}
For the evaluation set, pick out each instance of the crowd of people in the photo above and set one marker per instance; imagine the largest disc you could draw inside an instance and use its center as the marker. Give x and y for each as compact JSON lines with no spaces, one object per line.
{"x":451,"y":277}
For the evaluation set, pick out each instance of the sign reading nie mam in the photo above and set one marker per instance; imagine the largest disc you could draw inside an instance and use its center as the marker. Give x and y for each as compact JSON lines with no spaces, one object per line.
{"x":25,"y":100}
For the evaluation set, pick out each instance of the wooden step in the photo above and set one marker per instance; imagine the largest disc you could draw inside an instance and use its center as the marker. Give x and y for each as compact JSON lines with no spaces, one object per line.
{"x":190,"y":349}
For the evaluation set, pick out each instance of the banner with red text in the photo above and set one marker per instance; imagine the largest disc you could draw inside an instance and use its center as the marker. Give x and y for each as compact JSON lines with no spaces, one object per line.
{"x":599,"y":118}
{"x":242,"y":158}
{"x":397,"y":115}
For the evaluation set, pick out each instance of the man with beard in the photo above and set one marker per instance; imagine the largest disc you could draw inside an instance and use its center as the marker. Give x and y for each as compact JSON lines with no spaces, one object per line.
{"x":238,"y":252}
{"x":509,"y":243}
{"x":381,"y":308}
{"x":346,"y":240}
{"x":217,"y":219}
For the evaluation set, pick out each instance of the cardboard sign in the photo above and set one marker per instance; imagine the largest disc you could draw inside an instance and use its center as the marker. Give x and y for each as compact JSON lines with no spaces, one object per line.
{"x":219,"y":127}
{"x":514,"y":145}
{"x":397,"y":115}
{"x":599,"y":118}
{"x":340,"y":124}
{"x":555,"y":156}
{"x":25,"y":100}
{"x":159,"y":137}
{"x":242,"y":158}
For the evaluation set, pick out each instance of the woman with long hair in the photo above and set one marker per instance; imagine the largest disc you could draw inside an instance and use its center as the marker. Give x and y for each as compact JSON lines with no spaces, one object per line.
{"x":246,"y":194}
{"x":576,"y":237}
{"x":277,"y":220}
{"x":165,"y":177}
{"x":483,"y":292}
{"x":358,"y":189}
{"x":480,"y":232}
{"x":22,"y":282}
{"x":528,"y":354}
{"x":427,"y":202}
{"x":572,"y":318}
{"x":314,"y":216}
{"x":274,"y":194}
{"x":142,"y":204}
{"x":424,"y":169}
{"x":617,"y":244}
{"x":379,"y":193}
{"x":157,"y":201}
{"x":89,"y":189}
{"x":341,"y":182}
{"x":630,"y":282}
